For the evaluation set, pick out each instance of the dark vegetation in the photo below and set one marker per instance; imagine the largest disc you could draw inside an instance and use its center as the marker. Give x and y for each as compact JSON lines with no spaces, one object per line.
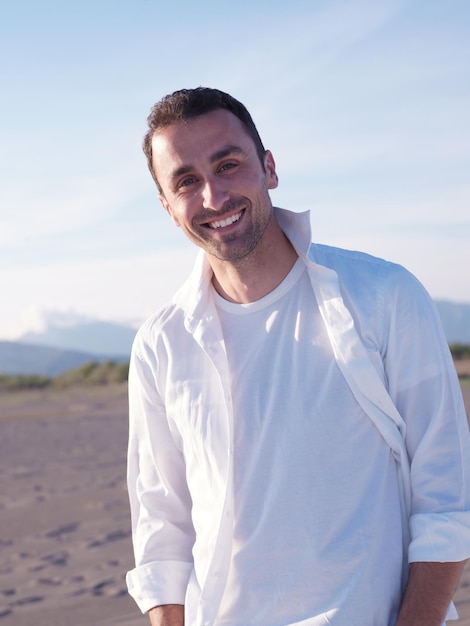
{"x":89,"y":374}
{"x":460,"y":351}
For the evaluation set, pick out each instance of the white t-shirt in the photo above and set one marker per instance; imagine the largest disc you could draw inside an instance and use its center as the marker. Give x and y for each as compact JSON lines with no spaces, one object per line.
{"x":306,"y":545}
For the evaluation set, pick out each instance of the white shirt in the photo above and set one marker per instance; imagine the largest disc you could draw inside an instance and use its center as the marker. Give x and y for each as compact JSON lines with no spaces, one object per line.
{"x":305,"y":540}
{"x":181,"y":468}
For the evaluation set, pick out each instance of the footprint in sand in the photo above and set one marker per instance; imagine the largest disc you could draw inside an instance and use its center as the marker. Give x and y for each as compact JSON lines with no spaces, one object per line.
{"x":116,"y":535}
{"x":57,"y":558}
{"x":51,"y":582}
{"x":62,"y":530}
{"x":28,"y":600}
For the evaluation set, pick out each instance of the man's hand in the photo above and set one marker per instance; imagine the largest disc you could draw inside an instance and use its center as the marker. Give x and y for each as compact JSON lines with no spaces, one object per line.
{"x":429,"y":592}
{"x":167,"y":615}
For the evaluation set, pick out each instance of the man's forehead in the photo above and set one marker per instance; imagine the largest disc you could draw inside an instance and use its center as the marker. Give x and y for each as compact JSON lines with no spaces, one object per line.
{"x":211,"y":134}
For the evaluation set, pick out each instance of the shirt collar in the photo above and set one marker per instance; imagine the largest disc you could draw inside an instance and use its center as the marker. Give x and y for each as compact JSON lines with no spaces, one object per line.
{"x":195,"y":296}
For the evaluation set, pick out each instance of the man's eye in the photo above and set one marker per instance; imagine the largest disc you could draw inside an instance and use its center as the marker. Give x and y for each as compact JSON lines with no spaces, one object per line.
{"x":227,"y":166}
{"x":187,"y":181}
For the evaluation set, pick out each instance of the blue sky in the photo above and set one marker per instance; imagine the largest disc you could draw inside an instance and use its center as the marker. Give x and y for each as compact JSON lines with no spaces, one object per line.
{"x":365,"y":105}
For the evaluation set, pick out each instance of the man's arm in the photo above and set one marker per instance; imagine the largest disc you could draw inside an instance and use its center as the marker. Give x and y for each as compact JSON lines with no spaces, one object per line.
{"x":429,"y":592}
{"x":424,"y":387}
{"x":167,"y":615}
{"x":162,"y":529}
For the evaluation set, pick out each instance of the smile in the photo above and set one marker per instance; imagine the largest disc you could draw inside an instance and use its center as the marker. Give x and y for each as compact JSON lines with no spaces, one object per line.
{"x":226,"y":222}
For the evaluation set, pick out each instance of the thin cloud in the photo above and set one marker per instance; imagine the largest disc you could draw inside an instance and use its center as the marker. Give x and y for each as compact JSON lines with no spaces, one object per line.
{"x":92,"y":288}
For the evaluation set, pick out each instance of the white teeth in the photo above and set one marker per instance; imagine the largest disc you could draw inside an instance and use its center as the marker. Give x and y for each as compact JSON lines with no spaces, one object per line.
{"x":226,"y":222}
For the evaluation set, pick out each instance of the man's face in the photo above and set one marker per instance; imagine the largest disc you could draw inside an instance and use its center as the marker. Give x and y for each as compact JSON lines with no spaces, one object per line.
{"x":213,"y":184}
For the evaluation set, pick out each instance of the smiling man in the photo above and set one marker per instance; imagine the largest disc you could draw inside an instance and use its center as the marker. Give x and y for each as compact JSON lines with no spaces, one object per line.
{"x":215,"y":186}
{"x":298,"y":446}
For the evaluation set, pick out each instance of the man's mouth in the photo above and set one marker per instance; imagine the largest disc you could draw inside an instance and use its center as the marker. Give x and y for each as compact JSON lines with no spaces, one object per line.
{"x":226,"y":222}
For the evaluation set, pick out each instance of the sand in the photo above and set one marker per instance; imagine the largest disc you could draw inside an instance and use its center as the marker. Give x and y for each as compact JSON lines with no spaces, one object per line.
{"x":64,"y":518}
{"x":64,"y":515}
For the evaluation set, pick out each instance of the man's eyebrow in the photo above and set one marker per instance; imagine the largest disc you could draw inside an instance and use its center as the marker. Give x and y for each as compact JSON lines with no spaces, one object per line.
{"x":225,"y":152}
{"x":184,"y":169}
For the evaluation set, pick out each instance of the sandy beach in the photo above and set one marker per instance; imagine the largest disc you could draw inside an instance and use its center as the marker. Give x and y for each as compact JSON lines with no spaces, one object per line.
{"x":64,"y":514}
{"x":64,"y":519}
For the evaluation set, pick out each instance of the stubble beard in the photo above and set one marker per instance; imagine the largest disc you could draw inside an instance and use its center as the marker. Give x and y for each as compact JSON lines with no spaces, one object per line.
{"x":235,"y":249}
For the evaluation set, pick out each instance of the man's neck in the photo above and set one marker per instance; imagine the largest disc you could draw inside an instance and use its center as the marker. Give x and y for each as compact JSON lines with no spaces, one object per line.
{"x":258,"y":273}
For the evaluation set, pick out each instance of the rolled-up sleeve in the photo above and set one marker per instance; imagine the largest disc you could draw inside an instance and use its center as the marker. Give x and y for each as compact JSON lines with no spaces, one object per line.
{"x":157,"y":583}
{"x":162,"y":531}
{"x":423,"y":383}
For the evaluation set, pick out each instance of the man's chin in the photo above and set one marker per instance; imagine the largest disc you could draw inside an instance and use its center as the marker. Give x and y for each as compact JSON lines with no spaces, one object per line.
{"x":230,"y":253}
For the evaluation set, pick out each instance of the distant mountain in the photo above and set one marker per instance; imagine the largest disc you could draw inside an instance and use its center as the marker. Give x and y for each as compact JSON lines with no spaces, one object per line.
{"x":21,"y":358}
{"x":93,"y":337}
{"x":455,"y":319}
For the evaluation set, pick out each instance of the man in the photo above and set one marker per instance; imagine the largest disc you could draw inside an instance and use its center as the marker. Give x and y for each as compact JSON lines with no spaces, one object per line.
{"x":298,"y":448}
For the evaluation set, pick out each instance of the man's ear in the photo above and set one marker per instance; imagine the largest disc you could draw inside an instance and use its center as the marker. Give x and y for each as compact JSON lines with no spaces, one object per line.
{"x":166,"y":206}
{"x":270,"y":167}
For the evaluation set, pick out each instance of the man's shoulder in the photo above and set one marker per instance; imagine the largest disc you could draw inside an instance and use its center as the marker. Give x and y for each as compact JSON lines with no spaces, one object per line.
{"x":174,"y":310}
{"x":353,"y":266}
{"x":370,"y":285}
{"x":159,"y":323}
{"x":358,"y":265}
{"x":334,"y":257}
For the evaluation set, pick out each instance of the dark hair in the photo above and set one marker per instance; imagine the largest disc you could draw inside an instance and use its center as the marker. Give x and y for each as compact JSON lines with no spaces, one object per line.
{"x":188,"y":103}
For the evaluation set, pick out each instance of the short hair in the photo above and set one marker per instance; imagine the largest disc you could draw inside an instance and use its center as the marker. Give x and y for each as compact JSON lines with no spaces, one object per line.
{"x":189,"y":103}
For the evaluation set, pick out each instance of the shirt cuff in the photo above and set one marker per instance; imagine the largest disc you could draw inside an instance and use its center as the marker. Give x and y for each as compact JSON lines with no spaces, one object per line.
{"x":440,"y":537}
{"x":159,"y":582}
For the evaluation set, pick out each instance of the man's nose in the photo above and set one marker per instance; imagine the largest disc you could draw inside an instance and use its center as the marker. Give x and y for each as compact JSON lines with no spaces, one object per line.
{"x":214,"y":194}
